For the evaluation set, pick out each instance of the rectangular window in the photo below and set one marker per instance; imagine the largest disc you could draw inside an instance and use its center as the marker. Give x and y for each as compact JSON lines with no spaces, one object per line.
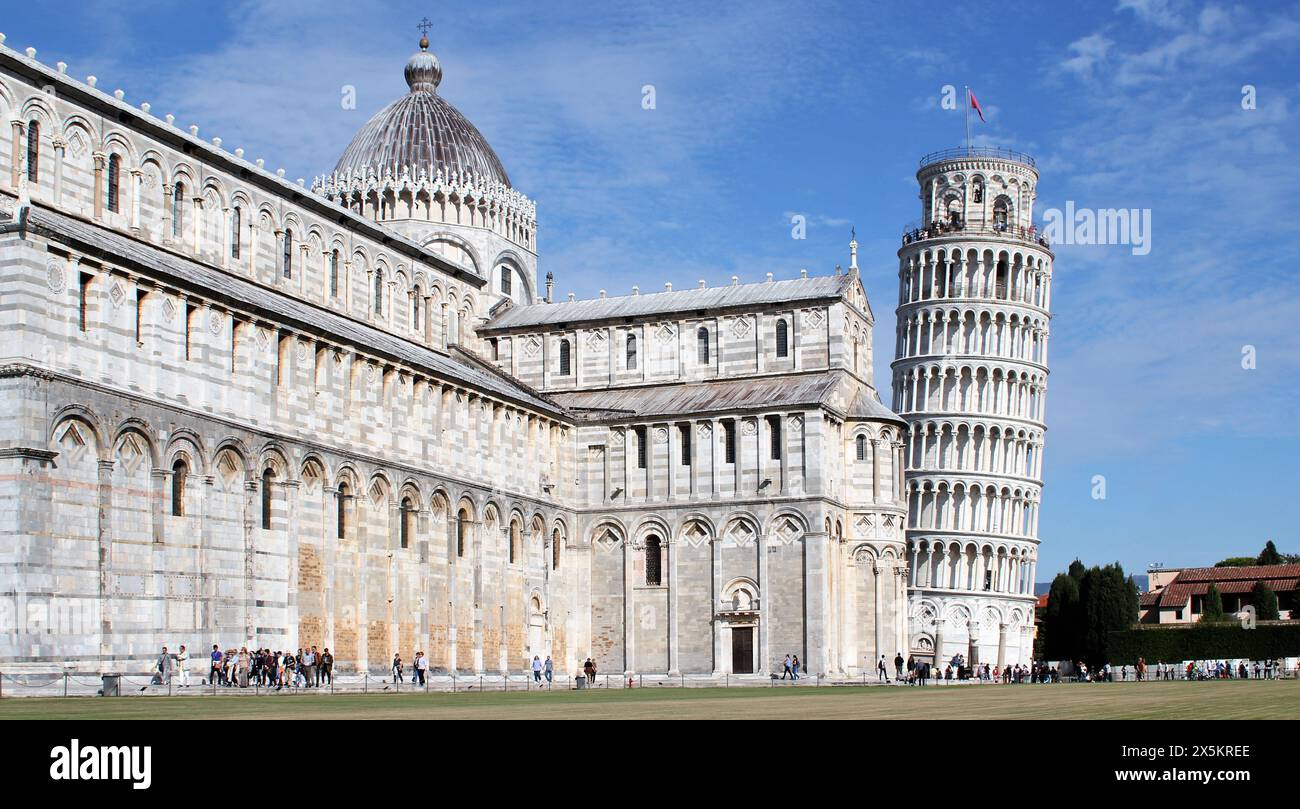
{"x":685,"y":430}
{"x":774,"y":427}
{"x":190,"y":309}
{"x":729,"y":439}
{"x":640,"y":447}
{"x":83,"y":288}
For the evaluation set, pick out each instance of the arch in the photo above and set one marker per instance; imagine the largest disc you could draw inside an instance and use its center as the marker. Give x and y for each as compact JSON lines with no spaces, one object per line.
{"x":740,"y":595}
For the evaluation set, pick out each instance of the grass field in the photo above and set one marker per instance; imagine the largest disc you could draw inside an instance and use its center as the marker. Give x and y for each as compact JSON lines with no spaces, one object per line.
{"x":1248,"y":699}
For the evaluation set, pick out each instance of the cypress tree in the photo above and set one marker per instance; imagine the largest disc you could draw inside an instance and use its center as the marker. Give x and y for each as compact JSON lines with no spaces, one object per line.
{"x":1212,"y":609}
{"x":1265,"y":601}
{"x":1269,"y":556}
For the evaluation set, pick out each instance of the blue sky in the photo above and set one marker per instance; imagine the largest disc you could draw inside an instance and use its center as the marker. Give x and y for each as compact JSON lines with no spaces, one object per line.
{"x":769,"y":109}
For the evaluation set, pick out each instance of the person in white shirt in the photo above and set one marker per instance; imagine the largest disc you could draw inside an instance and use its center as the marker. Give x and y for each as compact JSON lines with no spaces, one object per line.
{"x":421,"y":666}
{"x":183,"y":666}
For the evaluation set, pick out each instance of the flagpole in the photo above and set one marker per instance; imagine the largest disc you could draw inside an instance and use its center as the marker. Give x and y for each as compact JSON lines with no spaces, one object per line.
{"x":967,"y":119}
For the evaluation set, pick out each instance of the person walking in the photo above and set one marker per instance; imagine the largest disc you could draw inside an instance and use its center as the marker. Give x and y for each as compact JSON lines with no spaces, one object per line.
{"x":786,"y":671}
{"x":882,"y":670}
{"x":421,"y":666}
{"x":537,"y":669}
{"x":397,"y":669}
{"x":164,"y":667}
{"x":548,"y":668}
{"x":794,"y":667}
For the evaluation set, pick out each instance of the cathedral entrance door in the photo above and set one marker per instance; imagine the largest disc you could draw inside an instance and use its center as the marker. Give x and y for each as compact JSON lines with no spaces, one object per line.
{"x":742,"y":650}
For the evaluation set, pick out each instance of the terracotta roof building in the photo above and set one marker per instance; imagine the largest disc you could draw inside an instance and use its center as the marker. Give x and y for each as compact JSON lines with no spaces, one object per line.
{"x":1181,"y":599}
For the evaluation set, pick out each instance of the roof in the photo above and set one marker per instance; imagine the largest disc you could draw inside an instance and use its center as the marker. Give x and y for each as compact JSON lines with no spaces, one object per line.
{"x":722,"y":395}
{"x":242,"y":293}
{"x":422,"y":131}
{"x":824,"y":287}
{"x":234,"y":164}
{"x":1196,"y":581}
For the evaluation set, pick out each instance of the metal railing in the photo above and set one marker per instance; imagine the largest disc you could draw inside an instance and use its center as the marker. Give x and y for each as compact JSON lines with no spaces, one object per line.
{"x":939,"y":228}
{"x":977,"y":151}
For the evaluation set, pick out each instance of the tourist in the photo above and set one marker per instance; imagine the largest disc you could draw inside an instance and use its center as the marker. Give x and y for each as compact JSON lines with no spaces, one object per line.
{"x":309,"y":666}
{"x":898,"y":666}
{"x":537,"y":669}
{"x":786,"y":672}
{"x":421,"y":666}
{"x":397,"y":669}
{"x":882,"y":670}
{"x":214,"y":670}
{"x":794,"y":667}
{"x":327,"y":666}
{"x":243,"y":667}
{"x":548,"y":668}
{"x":183,"y":666}
{"x":164,"y":667}
{"x":589,"y":668}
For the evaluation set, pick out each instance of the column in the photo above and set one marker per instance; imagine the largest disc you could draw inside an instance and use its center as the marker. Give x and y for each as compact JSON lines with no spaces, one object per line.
{"x":166,"y":207}
{"x":670,"y":546}
{"x":880,"y":613}
{"x":100,"y":159}
{"x":291,"y":489}
{"x":629,"y":626}
{"x":60,"y":153}
{"x":137,"y":189}
{"x":16,"y":154}
{"x":764,"y":605}
{"x":1002,"y":645}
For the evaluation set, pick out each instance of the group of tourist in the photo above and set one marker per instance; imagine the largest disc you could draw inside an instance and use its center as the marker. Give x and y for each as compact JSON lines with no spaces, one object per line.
{"x":232,"y":668}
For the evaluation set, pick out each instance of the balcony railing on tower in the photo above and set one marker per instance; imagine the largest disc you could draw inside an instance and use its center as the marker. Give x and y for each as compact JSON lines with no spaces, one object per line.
{"x":977,"y":151}
{"x":938,"y":228}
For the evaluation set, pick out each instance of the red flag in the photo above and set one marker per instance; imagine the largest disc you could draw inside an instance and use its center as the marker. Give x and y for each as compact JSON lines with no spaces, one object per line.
{"x":975,"y":104}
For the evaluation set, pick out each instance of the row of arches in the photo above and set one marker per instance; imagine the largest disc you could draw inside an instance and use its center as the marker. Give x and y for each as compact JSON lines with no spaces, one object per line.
{"x":989,"y":389}
{"x":976,"y":567}
{"x":975,"y":447}
{"x":958,"y":614}
{"x":972,"y":506}
{"x":114,"y":175}
{"x":996,"y":275}
{"x":437,"y":201}
{"x":185,"y":463}
{"x":980,"y":198}
{"x":972,"y":331}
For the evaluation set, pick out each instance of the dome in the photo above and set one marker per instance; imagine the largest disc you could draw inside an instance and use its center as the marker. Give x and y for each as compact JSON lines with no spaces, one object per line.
{"x":423,"y":131}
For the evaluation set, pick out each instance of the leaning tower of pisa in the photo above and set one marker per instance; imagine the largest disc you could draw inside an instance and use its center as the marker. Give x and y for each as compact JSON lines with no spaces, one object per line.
{"x":969,"y":376}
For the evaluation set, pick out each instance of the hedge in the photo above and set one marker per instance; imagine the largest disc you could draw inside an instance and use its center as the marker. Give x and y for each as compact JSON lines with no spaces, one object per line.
{"x":1205,"y":642}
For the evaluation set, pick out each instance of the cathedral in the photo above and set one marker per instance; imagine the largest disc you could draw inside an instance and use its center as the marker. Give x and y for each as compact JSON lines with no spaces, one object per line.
{"x":251,"y":411}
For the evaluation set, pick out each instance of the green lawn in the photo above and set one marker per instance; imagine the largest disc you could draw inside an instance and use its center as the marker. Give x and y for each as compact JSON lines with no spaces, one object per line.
{"x":1255,"y":699}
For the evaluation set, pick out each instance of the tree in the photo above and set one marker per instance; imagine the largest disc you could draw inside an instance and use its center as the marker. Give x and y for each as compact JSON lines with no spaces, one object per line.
{"x":1236,"y":561}
{"x":1265,"y":601}
{"x":1061,"y":619}
{"x":1269,"y":556}
{"x":1212,"y":609}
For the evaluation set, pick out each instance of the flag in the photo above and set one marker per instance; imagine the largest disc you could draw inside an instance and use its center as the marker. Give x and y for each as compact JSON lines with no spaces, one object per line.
{"x":975,"y":105}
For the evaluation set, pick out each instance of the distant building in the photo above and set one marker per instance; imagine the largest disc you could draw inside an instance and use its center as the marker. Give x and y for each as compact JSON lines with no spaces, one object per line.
{"x":1177,"y":595}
